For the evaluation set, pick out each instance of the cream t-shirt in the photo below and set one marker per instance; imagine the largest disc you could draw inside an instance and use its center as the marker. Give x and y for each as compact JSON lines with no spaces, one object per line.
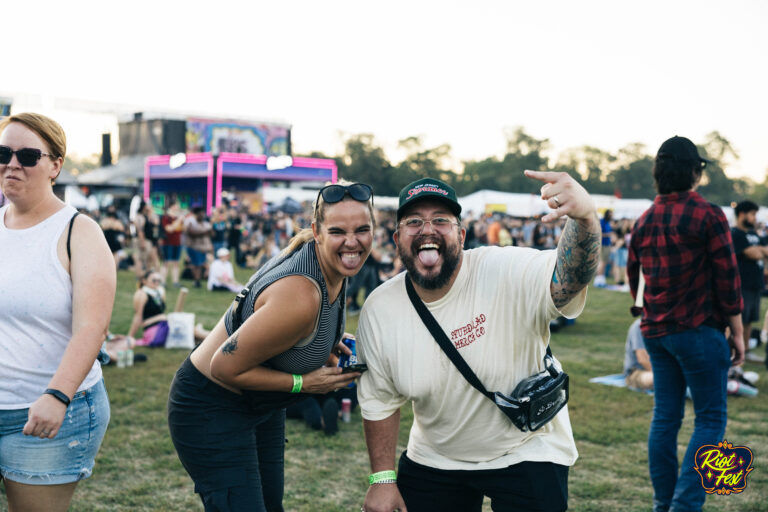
{"x":497,"y":314}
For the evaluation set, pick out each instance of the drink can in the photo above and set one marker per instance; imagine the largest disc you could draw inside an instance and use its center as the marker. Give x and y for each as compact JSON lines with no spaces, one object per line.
{"x":121,"y":358}
{"x":344,"y":359}
{"x":346,"y":410}
{"x":129,"y":357}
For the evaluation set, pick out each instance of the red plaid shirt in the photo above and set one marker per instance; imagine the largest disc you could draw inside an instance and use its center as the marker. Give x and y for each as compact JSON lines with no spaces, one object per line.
{"x":691,"y":277}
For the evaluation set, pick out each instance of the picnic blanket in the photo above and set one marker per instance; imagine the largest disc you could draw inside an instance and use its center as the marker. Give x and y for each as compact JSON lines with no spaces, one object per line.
{"x":617,"y":380}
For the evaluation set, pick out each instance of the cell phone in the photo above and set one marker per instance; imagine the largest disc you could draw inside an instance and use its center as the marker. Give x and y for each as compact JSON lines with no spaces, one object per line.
{"x":359,"y":367}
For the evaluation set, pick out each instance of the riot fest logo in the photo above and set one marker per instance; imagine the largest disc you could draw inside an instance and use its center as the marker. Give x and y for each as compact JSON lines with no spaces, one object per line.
{"x":723,"y":468}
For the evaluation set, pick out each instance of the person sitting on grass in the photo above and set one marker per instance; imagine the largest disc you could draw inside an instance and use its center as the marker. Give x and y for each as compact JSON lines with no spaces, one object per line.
{"x":149,"y":313}
{"x":221,"y":275}
{"x":637,"y":364}
{"x":321,"y":412}
{"x":113,"y":345}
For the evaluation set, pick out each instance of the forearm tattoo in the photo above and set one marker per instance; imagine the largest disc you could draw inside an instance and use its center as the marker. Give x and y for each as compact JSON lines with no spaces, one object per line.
{"x":578,"y":254}
{"x":230,"y":346}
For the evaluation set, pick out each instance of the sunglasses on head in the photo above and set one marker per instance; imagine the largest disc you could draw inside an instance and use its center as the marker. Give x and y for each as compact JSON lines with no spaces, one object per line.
{"x":335,"y":193}
{"x":27,"y":157}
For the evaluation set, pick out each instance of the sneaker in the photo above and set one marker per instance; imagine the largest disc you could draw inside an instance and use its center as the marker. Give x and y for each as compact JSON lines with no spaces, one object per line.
{"x":755,"y":358}
{"x":751,"y":378}
{"x":600,"y":281}
{"x":330,"y":417}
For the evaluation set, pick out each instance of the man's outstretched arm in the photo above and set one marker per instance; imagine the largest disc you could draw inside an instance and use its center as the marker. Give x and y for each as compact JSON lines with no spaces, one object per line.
{"x":578,"y":251}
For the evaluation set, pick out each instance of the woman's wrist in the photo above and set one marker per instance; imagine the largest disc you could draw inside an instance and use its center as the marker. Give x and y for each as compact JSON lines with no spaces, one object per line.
{"x":58,"y":395}
{"x":298,"y":382}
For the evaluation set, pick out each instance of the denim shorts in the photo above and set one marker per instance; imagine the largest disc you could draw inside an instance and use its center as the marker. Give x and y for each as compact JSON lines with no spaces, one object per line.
{"x":66,"y":458}
{"x":171,"y":252}
{"x":196,"y":258}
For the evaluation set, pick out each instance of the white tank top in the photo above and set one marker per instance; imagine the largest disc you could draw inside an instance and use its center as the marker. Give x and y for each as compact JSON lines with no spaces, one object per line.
{"x":35,"y":310}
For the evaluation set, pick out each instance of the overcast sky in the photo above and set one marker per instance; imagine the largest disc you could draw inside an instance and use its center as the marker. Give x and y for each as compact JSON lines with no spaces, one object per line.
{"x":602,"y":73}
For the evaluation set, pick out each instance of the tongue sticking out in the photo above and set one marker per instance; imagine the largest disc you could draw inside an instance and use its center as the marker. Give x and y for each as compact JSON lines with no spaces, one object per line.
{"x":428,"y":257}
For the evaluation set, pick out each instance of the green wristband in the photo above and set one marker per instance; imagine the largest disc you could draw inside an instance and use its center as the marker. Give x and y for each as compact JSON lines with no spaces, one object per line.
{"x":297,"y":382}
{"x":383,"y":477}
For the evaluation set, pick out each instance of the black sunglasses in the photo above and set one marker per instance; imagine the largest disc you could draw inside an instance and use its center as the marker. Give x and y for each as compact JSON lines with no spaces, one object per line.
{"x":335,"y":193}
{"x":27,"y":157}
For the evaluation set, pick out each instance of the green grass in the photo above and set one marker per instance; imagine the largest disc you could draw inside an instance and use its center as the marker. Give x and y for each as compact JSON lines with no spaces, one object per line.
{"x":137,"y":468}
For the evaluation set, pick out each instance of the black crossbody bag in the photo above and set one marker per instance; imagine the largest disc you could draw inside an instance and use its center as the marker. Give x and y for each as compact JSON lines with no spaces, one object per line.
{"x":533,"y":402}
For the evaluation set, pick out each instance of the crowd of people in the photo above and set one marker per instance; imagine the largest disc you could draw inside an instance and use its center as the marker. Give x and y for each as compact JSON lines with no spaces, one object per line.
{"x":427,"y":280}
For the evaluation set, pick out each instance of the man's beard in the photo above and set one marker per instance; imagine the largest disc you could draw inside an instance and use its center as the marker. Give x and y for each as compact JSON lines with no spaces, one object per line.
{"x":748,"y":225}
{"x":451,"y":256}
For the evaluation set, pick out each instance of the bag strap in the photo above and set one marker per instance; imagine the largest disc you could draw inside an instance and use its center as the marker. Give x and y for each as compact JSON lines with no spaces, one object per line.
{"x":443,"y":341}
{"x":69,"y":236}
{"x":439,"y":335}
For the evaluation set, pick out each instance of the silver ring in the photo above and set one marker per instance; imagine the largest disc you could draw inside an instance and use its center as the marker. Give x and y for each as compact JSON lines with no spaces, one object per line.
{"x":557,"y":201}
{"x":46,"y":433}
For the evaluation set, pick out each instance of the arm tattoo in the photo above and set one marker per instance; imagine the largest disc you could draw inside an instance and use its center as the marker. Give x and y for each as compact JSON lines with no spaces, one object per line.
{"x":577,"y":256}
{"x":230,"y":346}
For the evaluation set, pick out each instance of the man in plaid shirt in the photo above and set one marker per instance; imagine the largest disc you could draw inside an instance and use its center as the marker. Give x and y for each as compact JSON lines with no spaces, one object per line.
{"x":682,"y":245}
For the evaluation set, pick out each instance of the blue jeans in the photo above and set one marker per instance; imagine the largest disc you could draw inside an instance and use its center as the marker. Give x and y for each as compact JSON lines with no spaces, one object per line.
{"x":698,"y":358}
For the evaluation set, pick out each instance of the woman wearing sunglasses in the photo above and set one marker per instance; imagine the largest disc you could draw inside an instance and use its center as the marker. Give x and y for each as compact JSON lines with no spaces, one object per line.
{"x":273,"y":346}
{"x":58,"y":286}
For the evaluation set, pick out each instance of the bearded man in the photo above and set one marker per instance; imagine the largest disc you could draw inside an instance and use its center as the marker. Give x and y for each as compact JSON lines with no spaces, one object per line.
{"x":494,"y":304}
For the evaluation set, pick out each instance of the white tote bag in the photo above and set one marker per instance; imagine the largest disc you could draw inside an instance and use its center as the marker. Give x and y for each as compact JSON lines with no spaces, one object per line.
{"x":181,"y":330}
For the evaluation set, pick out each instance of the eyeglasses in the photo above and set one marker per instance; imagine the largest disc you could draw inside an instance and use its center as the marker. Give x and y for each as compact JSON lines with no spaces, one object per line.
{"x":414,"y":225}
{"x":27,"y":157}
{"x":335,"y":193}
{"x":155,"y":280}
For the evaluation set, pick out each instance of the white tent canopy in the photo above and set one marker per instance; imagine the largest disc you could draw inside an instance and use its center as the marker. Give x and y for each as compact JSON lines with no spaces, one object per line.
{"x":531,"y":205}
{"x":517,"y":205}
{"x":279,"y":194}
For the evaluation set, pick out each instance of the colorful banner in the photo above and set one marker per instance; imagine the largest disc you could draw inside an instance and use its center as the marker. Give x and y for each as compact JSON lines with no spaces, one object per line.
{"x":229,"y":136}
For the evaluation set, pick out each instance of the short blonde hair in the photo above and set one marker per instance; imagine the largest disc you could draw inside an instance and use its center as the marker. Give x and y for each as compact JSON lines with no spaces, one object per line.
{"x":49,"y":130}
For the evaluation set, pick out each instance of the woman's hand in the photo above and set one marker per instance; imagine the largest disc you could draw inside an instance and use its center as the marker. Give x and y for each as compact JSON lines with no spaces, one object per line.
{"x":45,"y":417}
{"x":325,"y":379}
{"x":338,"y":350}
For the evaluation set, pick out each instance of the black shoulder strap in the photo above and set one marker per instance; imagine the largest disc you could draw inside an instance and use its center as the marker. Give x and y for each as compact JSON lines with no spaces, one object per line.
{"x":443,"y":340}
{"x":69,"y":235}
{"x":450,"y":350}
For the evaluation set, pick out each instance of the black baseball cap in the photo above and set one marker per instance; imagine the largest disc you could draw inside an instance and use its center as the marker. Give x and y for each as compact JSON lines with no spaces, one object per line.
{"x":428,"y":188}
{"x":680,"y":149}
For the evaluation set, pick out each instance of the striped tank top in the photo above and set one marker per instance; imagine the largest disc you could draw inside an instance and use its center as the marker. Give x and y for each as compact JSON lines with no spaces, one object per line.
{"x":308,"y":354}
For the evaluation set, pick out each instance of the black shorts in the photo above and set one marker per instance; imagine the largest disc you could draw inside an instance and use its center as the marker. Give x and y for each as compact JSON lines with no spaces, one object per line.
{"x":527,"y":486}
{"x":234,"y":456}
{"x":751,"y":311}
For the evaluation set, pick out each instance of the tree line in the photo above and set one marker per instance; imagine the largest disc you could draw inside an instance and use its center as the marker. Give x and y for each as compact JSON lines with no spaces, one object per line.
{"x":626,"y":173}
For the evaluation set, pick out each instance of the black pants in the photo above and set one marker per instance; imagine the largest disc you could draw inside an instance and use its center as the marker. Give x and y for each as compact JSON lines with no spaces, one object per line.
{"x":234,"y":456}
{"x":523,"y":487}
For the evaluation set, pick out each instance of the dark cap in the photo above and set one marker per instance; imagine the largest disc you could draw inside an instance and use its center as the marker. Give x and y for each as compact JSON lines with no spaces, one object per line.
{"x":428,"y":188}
{"x":680,"y":149}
